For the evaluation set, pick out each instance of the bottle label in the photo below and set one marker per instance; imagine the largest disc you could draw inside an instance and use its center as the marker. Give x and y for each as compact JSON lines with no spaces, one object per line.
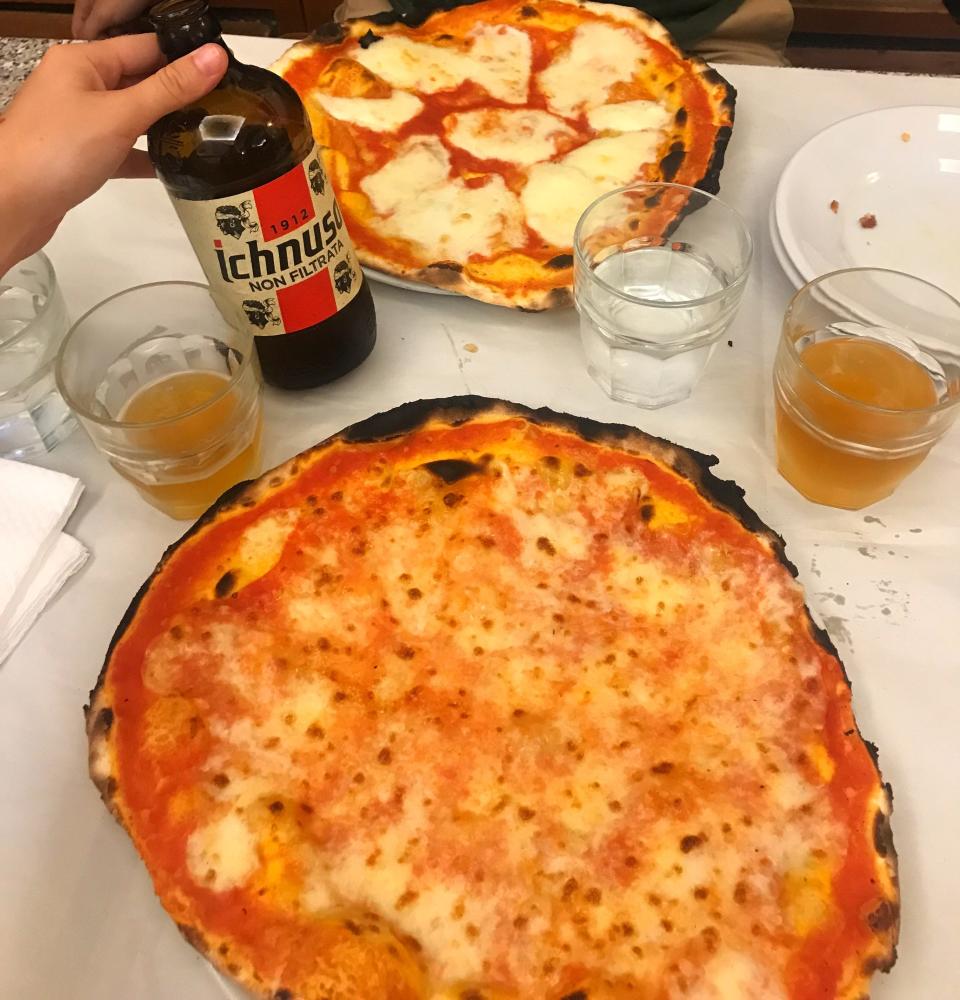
{"x":278,"y":258}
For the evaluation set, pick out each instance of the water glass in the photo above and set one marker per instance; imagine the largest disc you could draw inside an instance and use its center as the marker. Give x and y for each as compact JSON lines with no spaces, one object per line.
{"x":659,"y":270}
{"x":866,"y":380}
{"x":168,"y":392}
{"x":33,"y":321}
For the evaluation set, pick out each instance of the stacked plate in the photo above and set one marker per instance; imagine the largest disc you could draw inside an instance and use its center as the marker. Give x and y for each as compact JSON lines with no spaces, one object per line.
{"x":881,"y":189}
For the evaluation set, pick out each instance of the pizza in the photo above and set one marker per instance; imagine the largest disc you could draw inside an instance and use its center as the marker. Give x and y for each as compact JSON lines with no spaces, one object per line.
{"x":464,"y":150}
{"x":477,"y":702}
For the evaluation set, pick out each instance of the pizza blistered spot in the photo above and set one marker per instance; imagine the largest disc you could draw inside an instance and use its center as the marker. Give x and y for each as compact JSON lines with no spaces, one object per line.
{"x":452,"y":470}
{"x":672,"y":162}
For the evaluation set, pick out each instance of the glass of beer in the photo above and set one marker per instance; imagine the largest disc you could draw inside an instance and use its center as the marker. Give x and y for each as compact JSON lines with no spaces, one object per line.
{"x":168,"y":391}
{"x":866,"y":380}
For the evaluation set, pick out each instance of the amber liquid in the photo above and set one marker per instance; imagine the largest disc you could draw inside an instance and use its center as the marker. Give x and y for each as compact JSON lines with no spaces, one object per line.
{"x":865,"y":372}
{"x":209,"y":449}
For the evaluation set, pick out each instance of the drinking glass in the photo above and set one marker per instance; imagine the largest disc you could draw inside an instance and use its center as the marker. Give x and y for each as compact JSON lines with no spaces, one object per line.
{"x":33,"y":321}
{"x":866,"y":380}
{"x":659,"y":270}
{"x":168,"y":392}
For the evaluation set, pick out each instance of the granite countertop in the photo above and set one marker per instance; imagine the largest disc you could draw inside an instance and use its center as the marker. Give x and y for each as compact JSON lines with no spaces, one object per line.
{"x":18,"y":56}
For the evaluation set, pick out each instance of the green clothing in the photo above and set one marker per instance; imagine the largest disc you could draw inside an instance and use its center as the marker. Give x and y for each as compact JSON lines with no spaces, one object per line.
{"x":687,"y":20}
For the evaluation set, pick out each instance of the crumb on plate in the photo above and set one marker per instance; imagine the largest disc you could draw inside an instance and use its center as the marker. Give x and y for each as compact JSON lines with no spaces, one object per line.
{"x":868,"y":221}
{"x":904,"y":136}
{"x":834,"y":206}
{"x":472,"y":348}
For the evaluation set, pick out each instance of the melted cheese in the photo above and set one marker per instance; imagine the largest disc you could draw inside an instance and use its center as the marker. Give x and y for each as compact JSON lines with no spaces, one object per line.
{"x":497,"y":58}
{"x":614,"y":160}
{"x":443,"y":217}
{"x":419,"y":165}
{"x":599,"y":56}
{"x":735,"y":975}
{"x":260,"y":546}
{"x":381,"y":114}
{"x":457,"y":222}
{"x":554,"y":198}
{"x":556,"y":194}
{"x":513,"y":758}
{"x":630,"y":116}
{"x":807,"y":892}
{"x":222,"y":855}
{"x":519,"y":137}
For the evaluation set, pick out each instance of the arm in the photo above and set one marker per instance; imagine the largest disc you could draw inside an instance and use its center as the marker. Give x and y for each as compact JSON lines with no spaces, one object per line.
{"x":19,"y":236}
{"x":74,"y":121}
{"x":92,"y":18}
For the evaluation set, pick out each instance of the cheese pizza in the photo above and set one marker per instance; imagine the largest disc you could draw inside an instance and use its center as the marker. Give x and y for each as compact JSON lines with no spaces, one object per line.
{"x":475,"y":702}
{"x":464,"y":150}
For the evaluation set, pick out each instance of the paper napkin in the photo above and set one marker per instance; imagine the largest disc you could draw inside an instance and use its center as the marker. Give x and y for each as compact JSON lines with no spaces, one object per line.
{"x":36,"y":558}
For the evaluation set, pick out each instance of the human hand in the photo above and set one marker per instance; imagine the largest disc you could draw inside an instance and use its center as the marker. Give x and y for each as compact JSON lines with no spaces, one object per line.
{"x":74,"y":121}
{"x":91,"y":18}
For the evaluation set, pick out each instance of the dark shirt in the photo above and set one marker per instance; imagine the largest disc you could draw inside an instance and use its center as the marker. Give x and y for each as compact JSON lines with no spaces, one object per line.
{"x":687,"y":20}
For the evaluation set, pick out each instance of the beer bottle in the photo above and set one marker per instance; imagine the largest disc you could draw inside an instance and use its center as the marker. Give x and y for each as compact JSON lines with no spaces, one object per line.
{"x":247,"y":181}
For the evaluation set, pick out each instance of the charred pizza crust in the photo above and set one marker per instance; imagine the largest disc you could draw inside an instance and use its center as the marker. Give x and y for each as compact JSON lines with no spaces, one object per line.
{"x":534,"y":274}
{"x":356,"y":954}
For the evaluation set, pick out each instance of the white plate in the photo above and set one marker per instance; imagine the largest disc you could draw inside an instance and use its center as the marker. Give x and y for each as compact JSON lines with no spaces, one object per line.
{"x":783,"y":259}
{"x":410,"y":286}
{"x":901,"y":165}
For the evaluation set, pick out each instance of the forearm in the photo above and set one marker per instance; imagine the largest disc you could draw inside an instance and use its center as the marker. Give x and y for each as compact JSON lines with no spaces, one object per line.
{"x":24,"y":229}
{"x":74,"y":121}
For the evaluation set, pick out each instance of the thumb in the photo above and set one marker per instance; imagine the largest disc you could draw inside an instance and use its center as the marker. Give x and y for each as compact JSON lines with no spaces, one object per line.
{"x":177,"y":84}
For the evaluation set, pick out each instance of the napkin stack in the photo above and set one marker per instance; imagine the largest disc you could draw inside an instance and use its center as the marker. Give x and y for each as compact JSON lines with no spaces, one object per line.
{"x":36,"y":557}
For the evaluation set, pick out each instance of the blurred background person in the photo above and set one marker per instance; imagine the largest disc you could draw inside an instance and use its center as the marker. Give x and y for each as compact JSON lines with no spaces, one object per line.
{"x":742,"y":31}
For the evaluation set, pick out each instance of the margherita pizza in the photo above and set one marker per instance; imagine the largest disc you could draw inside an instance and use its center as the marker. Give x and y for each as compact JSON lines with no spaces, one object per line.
{"x":464,"y":150}
{"x":474,"y":701}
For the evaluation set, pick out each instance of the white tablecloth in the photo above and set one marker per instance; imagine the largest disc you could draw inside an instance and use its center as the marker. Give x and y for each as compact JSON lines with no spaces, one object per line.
{"x":78,"y":918}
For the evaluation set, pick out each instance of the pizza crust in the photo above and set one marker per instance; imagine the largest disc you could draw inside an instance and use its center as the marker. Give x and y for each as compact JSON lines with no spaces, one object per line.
{"x":355,"y":955}
{"x":512,"y":277}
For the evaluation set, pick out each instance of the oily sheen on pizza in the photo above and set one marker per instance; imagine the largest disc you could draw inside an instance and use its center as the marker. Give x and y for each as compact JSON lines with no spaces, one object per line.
{"x":464,"y":150}
{"x":476,"y":702}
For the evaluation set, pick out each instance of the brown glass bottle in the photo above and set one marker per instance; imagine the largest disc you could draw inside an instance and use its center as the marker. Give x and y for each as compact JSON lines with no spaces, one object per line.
{"x":242,"y":170}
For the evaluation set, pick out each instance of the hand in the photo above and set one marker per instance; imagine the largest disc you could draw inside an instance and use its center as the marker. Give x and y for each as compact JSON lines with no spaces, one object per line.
{"x":74,"y":121}
{"x":91,"y":18}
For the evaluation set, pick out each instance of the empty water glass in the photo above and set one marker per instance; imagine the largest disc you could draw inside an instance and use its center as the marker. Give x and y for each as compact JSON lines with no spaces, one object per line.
{"x":33,"y":322}
{"x":659,"y":271}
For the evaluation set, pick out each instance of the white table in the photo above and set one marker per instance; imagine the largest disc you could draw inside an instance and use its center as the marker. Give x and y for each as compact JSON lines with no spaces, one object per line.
{"x":78,"y":918}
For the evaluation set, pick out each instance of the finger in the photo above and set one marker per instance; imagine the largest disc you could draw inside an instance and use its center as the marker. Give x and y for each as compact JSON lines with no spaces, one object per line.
{"x":129,"y":81}
{"x":136,"y":164}
{"x":81,"y":11}
{"x":171,"y":87}
{"x":127,"y":55}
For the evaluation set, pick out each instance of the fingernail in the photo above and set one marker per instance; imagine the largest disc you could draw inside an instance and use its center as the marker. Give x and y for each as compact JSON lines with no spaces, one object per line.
{"x":208,"y":59}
